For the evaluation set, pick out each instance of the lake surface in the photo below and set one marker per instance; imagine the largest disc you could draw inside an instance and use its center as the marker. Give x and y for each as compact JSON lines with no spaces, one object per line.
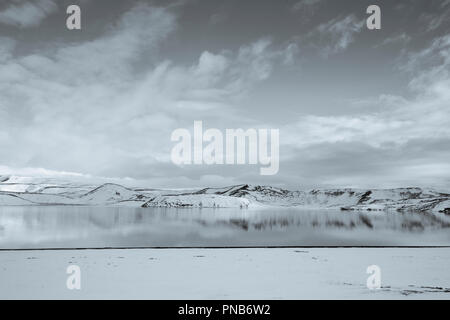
{"x":95,"y":227}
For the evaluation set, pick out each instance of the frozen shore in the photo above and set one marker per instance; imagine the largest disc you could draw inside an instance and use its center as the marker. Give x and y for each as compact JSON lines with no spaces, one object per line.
{"x":282,"y":273}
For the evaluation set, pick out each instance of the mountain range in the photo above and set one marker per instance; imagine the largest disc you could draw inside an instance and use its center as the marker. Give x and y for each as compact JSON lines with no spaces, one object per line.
{"x":20,"y":191}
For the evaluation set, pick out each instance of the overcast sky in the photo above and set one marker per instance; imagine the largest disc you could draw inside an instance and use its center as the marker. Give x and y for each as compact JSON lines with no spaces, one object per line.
{"x":355,"y":107}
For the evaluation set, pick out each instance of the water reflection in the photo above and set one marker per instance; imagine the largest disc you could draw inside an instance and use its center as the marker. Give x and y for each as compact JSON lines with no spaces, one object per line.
{"x":81,"y":227}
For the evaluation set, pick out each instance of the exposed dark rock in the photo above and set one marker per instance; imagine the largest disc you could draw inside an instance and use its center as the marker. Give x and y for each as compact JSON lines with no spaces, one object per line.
{"x":365,"y":197}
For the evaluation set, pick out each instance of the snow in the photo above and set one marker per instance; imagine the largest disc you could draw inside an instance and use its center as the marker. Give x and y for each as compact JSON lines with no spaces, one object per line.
{"x":54,"y":192}
{"x":12,"y":200}
{"x":198,"y":201}
{"x":46,"y":199}
{"x":107,"y":193}
{"x":443,"y":205}
{"x":281,"y":273}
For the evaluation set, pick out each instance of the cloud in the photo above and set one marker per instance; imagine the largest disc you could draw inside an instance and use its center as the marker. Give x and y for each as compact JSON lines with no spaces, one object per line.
{"x":422,"y":162}
{"x":404,"y":142}
{"x":73,"y":100}
{"x":400,"y":119}
{"x":439,"y":20}
{"x":306,"y":7}
{"x":306,"y":10}
{"x":435,"y":59}
{"x":6,"y":48}
{"x":107,"y":106}
{"x":227,"y":76}
{"x":336,"y":35}
{"x":27,"y":14}
{"x":402,"y":38}
{"x":423,"y":118}
{"x":255,"y":63}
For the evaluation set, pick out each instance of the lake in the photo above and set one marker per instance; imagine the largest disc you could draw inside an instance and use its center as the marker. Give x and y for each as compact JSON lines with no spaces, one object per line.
{"x":95,"y":227}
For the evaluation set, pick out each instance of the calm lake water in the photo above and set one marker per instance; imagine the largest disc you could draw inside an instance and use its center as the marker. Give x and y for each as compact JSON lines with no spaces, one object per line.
{"x":93,"y":227}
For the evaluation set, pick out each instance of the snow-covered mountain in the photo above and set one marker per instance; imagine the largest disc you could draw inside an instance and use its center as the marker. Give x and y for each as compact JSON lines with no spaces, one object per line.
{"x":401,"y":199}
{"x":15,"y":191}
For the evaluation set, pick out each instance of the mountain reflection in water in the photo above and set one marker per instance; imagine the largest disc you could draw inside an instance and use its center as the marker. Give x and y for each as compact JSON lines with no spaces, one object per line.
{"x":94,"y":227}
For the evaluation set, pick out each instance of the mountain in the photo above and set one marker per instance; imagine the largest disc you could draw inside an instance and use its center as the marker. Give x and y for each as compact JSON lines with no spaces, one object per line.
{"x":197,"y":201}
{"x":108,"y":193}
{"x":14,"y":191}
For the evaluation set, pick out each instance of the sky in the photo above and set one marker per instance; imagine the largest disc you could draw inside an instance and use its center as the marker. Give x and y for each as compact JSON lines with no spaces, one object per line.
{"x":354,"y":107}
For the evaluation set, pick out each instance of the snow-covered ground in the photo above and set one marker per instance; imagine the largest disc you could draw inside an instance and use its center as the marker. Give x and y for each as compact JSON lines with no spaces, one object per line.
{"x":282,"y":273}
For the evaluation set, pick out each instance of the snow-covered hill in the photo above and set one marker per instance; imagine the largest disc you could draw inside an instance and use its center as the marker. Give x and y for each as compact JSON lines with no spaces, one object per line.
{"x":197,"y":201}
{"x":19,"y":191}
{"x":401,"y":199}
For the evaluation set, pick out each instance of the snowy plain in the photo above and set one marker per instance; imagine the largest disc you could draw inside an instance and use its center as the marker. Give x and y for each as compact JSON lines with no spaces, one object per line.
{"x":281,"y":273}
